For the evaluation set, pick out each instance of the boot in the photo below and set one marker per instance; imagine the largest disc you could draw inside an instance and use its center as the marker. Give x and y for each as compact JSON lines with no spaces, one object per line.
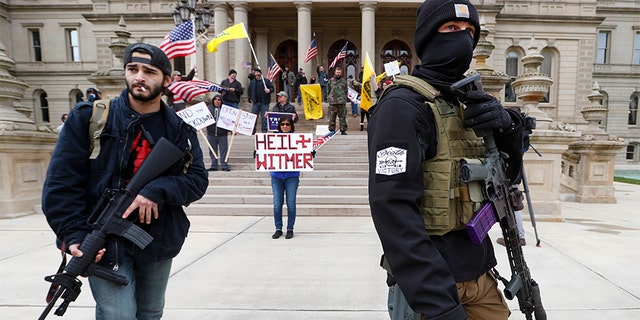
{"x":361,"y":126}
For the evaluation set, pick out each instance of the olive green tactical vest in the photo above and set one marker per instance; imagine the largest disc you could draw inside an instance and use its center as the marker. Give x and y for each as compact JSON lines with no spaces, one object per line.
{"x":448,"y":204}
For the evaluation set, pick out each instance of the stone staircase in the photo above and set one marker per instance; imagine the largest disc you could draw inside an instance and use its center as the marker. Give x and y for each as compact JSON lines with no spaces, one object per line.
{"x":336,"y":187}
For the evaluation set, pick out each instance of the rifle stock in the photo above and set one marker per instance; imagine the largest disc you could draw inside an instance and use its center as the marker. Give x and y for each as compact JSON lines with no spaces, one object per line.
{"x":163,"y":155}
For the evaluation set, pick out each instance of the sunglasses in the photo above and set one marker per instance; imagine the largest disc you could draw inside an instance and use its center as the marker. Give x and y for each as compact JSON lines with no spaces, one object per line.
{"x":285,"y":124}
{"x":217,"y":99}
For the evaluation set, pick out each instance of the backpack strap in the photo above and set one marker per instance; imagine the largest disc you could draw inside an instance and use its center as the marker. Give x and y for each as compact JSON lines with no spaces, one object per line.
{"x":98,"y":120}
{"x":418,"y":85}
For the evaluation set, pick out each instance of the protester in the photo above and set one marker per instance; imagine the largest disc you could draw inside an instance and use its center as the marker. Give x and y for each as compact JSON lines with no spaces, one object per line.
{"x":63,"y":119}
{"x":337,"y":98}
{"x":284,"y":182}
{"x":288,"y":81}
{"x":217,"y":137}
{"x":414,"y":153}
{"x":323,"y":78}
{"x":283,"y":106}
{"x":177,"y":103}
{"x":75,"y":183}
{"x":233,"y":90}
{"x":93,"y":94}
{"x":260,"y":90}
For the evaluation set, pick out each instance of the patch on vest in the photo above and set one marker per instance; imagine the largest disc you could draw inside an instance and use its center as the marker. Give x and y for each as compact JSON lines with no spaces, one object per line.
{"x":391,"y":161}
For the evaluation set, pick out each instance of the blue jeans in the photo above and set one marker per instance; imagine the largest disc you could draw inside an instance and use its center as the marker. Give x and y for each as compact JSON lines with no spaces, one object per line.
{"x":354,"y":108}
{"x":279,"y":187}
{"x":220,"y":146}
{"x":142,"y":298}
{"x":260,"y":108}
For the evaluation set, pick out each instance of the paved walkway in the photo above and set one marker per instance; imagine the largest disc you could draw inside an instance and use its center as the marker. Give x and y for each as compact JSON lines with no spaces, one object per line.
{"x":230,"y":268}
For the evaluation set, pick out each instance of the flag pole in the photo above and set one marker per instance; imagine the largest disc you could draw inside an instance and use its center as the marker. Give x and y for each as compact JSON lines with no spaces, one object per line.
{"x":254,"y":52}
{"x":207,"y":140}
{"x":233,"y":135}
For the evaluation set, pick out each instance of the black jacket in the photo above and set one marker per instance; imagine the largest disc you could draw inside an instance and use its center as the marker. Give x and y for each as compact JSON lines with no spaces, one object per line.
{"x":425,"y":267}
{"x":256,"y":91}
{"x":74,"y":183}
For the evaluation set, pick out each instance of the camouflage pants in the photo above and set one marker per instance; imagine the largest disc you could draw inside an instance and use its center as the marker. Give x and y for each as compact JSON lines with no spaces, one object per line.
{"x":339,"y":110}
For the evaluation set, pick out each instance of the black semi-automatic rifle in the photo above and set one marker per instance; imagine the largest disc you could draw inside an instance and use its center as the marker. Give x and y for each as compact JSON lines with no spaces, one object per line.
{"x":163,"y":155}
{"x":498,"y":192}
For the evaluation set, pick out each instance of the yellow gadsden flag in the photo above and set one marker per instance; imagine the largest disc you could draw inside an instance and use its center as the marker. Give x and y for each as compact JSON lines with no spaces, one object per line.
{"x":236,"y":31}
{"x":367,"y":73}
{"x":312,"y":101}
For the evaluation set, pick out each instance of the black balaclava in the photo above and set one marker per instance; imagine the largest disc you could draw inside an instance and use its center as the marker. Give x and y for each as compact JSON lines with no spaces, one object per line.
{"x":444,"y":56}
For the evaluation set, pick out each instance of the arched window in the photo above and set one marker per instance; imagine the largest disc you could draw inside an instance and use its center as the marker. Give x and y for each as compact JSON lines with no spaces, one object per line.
{"x":397,"y":50}
{"x":547,"y":68}
{"x":633,"y":109}
{"x":511,"y":67}
{"x":44,"y":106}
{"x":632,"y":152}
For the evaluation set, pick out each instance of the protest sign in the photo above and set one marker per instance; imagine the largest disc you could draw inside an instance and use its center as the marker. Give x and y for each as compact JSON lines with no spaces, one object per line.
{"x":197,"y":116}
{"x":236,"y":120}
{"x":274,"y":118}
{"x":284,"y":151}
{"x":392,"y":68}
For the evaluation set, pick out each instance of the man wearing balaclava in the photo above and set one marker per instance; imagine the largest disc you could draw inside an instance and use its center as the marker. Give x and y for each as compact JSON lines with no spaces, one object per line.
{"x":418,"y":206}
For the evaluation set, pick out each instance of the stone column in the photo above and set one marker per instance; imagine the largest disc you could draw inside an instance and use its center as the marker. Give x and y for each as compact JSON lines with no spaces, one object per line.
{"x":111,"y":82}
{"x":304,"y":35}
{"x":368,"y":11}
{"x":550,"y":138}
{"x":25,"y":148}
{"x":242,"y":52}
{"x":593,"y":157}
{"x":221,"y":22}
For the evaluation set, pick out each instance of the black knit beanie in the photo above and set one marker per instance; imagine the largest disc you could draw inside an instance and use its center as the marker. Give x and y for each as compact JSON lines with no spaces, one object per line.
{"x":433,"y":13}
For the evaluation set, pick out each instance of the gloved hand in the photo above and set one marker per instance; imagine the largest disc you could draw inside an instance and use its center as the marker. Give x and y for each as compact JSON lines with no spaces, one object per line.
{"x":484,"y":112}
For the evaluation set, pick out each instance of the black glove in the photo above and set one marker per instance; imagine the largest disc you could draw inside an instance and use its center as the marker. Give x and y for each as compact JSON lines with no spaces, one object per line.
{"x":484,"y":112}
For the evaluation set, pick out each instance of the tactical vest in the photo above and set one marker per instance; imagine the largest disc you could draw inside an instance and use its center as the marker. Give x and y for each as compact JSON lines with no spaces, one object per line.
{"x":448,"y":204}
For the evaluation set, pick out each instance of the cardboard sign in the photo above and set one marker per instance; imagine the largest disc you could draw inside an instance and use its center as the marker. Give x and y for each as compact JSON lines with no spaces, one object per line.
{"x":197,"y":116}
{"x":284,"y":151}
{"x":235,"y":119}
{"x":274,"y":118}
{"x":392,"y":68}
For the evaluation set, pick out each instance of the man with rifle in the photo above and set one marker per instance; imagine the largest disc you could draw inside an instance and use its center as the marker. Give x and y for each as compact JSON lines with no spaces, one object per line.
{"x":79,"y":177}
{"x":419,"y":136}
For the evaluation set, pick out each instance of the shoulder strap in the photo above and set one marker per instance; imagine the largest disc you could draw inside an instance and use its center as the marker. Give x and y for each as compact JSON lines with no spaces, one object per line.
{"x":418,"y":85}
{"x":98,"y":120}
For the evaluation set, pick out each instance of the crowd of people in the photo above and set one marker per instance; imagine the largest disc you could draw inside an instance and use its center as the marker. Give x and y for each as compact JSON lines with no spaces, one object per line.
{"x":434,"y":270}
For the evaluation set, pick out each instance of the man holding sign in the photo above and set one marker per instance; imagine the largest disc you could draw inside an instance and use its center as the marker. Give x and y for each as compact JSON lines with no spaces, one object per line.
{"x":217,"y":137}
{"x":281,"y":109}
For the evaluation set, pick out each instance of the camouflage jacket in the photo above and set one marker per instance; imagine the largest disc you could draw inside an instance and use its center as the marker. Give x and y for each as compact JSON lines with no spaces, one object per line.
{"x":337,"y":91}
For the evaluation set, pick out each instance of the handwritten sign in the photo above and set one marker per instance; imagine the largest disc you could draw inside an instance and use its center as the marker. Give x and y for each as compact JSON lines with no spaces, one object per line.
{"x":230,"y":116}
{"x":284,"y":151}
{"x":197,"y":116}
{"x":392,"y":68}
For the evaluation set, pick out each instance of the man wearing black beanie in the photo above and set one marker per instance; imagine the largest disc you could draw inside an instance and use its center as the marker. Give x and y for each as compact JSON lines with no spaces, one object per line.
{"x":418,"y":204}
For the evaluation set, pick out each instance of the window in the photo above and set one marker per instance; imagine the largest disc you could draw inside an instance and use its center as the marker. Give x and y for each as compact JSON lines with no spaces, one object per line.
{"x":602,"y":55}
{"x":73,"y":45}
{"x":44,"y":107}
{"x":512,"y":60}
{"x":636,"y":49}
{"x":633,"y":109}
{"x":36,"y":45}
{"x":631,"y":152}
{"x":547,"y":68}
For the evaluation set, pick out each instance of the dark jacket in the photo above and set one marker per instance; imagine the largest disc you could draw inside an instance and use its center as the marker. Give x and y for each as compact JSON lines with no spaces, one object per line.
{"x":228,"y":96}
{"x":214,"y":130}
{"x":425,"y":267}
{"x":287,"y":108}
{"x":256,"y":91}
{"x":74,"y":183}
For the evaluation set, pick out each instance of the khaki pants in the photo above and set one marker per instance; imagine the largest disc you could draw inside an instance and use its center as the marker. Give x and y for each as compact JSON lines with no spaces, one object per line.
{"x":480,"y":298}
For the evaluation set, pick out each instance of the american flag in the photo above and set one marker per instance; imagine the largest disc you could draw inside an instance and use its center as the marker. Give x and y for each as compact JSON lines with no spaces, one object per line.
{"x":274,"y":68}
{"x":312,"y":52}
{"x":341,"y":54}
{"x":187,"y":90}
{"x":319,"y":142}
{"x":180,"y":42}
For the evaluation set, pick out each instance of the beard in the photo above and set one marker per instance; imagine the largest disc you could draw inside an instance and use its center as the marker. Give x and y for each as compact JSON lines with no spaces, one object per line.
{"x":152,"y":91}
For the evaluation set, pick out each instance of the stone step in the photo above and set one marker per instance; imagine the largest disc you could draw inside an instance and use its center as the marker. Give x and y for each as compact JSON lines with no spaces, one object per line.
{"x":264,"y":180}
{"x":301,"y":198}
{"x":302,"y":189}
{"x":248,"y":173}
{"x":267,"y":210}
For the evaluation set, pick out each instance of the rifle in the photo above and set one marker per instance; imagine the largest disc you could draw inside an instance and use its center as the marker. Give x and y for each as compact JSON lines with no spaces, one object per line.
{"x":163,"y":155}
{"x":501,"y":201}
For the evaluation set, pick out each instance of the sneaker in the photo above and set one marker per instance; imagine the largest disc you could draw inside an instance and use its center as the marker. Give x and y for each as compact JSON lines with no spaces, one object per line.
{"x":277,"y":234}
{"x":500,"y":241}
{"x":289,"y":234}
